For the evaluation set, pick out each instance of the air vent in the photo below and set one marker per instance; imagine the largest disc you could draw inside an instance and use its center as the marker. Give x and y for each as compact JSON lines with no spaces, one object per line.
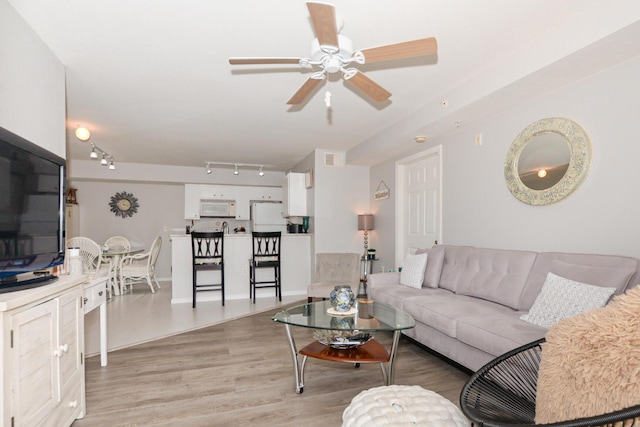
{"x":333,"y":159}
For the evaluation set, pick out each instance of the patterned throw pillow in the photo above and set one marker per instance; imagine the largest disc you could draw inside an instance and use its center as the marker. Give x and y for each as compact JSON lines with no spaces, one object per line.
{"x":561,"y":298}
{"x":412,"y":273}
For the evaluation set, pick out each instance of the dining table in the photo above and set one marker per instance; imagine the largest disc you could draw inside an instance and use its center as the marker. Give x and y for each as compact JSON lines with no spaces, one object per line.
{"x":115,"y":255}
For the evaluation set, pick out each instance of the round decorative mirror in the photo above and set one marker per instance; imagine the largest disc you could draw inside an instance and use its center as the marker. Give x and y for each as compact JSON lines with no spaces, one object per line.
{"x":547,"y":161}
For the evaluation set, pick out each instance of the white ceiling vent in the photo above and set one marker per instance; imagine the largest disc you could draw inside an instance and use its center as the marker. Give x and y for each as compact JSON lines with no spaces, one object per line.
{"x":333,"y":159}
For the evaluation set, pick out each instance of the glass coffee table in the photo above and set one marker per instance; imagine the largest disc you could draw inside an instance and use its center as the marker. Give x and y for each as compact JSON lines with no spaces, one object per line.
{"x":345,"y":338}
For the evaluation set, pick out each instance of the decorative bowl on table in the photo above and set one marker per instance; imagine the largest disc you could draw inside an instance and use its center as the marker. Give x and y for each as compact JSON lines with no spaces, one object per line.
{"x":341,"y":340}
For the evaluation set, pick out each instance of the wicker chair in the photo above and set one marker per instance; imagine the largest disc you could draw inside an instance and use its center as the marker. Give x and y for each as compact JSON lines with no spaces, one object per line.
{"x":503,"y":394}
{"x":140,"y":268}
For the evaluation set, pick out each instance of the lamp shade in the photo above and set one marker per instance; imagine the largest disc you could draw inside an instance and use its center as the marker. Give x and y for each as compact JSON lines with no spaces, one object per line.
{"x":365,"y":222}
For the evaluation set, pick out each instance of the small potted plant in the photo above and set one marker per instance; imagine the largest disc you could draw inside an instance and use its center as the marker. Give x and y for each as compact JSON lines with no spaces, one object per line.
{"x":371,"y":253}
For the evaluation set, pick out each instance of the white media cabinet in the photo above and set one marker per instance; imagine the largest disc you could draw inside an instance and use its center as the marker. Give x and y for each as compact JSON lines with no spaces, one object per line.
{"x":42,"y":360}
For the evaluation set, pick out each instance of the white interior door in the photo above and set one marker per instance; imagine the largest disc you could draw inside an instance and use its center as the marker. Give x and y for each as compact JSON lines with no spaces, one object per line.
{"x":418,"y":206}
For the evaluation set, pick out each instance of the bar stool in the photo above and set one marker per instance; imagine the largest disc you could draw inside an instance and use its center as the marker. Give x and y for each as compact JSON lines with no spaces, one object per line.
{"x":207,"y":250}
{"x":266,"y":254}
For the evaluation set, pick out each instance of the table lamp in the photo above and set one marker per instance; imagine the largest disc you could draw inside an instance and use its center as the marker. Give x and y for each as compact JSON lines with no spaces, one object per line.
{"x":365,"y":222}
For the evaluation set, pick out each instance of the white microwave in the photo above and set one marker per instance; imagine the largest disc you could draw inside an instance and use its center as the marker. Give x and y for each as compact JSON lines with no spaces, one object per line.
{"x":217,"y":209}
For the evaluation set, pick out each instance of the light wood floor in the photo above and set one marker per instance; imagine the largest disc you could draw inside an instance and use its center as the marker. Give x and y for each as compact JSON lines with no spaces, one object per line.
{"x":139,"y":316}
{"x":240,"y":373}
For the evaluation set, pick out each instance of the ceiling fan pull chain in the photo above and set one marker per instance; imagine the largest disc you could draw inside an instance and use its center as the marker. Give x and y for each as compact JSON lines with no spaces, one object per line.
{"x":327,"y":99}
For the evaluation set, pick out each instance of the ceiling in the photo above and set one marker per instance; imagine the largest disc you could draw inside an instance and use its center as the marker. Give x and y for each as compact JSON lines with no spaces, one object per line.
{"x":152,"y":80}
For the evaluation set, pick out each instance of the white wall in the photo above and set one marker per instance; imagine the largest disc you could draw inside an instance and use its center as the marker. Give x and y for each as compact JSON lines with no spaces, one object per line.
{"x":161,"y":209}
{"x":341,"y":193}
{"x":599,"y":217}
{"x":32,"y":84}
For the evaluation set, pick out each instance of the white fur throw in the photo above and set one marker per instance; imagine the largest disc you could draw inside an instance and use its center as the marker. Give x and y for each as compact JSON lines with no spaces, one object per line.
{"x":591,"y":363}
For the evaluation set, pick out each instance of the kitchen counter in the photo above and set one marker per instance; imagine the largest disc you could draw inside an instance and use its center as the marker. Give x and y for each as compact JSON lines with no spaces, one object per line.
{"x":295,"y":269}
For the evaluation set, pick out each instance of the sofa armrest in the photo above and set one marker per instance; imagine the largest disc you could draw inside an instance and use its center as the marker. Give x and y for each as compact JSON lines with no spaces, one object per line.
{"x":381,"y":279}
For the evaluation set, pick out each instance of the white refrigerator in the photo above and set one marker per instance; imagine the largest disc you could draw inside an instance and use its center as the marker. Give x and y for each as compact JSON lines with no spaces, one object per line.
{"x":267,"y":216}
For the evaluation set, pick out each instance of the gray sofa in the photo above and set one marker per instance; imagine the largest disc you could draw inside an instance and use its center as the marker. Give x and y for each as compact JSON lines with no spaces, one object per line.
{"x":471,"y":300}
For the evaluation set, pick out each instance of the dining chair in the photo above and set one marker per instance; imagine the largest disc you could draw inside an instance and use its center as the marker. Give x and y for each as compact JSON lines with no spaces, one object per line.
{"x":92,"y":262}
{"x":207,"y":254}
{"x":119,"y":243}
{"x":139,"y":268}
{"x":266,"y":254}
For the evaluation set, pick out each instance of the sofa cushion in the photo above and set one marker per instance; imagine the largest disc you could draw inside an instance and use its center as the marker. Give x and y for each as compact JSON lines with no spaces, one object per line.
{"x":498,"y":331}
{"x":561,"y":298}
{"x":382,"y":290}
{"x":615,"y":271}
{"x":434,"y":266}
{"x":441,"y":309}
{"x":493,"y":274}
{"x":413,"y":270}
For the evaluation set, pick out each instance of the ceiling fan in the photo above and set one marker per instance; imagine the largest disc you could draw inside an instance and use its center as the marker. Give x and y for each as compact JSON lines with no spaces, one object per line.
{"x":332,"y":52}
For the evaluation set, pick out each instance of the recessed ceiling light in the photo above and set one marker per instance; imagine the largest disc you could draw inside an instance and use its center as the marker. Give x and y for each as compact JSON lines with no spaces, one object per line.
{"x":82,"y":133}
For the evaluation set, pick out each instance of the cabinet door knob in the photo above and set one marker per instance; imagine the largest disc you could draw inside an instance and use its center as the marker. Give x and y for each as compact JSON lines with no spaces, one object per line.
{"x":100,"y":293}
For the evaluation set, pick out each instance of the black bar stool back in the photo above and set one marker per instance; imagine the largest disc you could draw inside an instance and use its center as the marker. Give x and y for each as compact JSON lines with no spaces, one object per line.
{"x":207,"y":250}
{"x":266,"y":254}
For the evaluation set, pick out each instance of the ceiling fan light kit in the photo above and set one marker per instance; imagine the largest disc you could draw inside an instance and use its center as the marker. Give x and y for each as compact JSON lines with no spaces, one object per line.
{"x":333,"y":53}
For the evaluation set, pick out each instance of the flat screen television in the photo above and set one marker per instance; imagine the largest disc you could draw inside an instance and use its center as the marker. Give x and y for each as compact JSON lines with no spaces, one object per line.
{"x":32,"y":201}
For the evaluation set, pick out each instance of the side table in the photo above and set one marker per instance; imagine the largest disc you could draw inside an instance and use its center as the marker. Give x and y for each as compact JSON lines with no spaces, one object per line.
{"x":366,"y":268}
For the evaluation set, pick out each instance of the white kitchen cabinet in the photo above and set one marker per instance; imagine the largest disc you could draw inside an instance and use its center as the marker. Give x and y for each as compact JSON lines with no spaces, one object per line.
{"x":42,"y":354}
{"x":192,"y":201}
{"x":294,"y":194}
{"x":243,"y":196}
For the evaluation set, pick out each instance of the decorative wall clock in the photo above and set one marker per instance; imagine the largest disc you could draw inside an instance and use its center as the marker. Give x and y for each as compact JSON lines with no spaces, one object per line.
{"x":124,"y":204}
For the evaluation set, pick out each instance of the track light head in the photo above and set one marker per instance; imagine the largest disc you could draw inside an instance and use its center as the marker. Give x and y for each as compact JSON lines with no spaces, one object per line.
{"x":111,"y":165}
{"x":236,"y":171}
{"x":93,"y":154}
{"x":261,"y":173}
{"x":104,"y":161}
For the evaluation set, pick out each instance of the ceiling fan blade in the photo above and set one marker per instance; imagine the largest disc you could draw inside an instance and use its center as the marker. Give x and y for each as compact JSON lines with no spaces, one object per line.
{"x":323,"y":17}
{"x":256,"y":61}
{"x":304,"y":91}
{"x":369,"y":87}
{"x":410,"y":49}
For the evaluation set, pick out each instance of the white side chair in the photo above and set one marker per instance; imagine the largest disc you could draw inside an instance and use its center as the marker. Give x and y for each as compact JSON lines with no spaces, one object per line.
{"x":91,"y":254}
{"x":141,"y":267}
{"x":333,"y":269}
{"x":118,"y":243}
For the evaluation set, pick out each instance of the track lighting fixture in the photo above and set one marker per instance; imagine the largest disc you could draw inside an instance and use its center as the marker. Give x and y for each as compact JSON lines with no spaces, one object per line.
{"x":82,"y":133}
{"x":236,"y":167}
{"x":105,"y":159}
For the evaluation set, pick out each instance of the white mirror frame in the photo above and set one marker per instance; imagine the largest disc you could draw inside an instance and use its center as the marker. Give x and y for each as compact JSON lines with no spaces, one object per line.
{"x":579,"y":164}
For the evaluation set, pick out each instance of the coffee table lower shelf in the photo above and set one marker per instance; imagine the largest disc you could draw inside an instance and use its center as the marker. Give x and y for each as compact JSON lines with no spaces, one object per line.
{"x":370,"y":352}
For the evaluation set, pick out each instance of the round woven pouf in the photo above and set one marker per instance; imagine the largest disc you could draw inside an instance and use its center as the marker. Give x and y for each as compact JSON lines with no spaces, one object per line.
{"x":401,"y":405}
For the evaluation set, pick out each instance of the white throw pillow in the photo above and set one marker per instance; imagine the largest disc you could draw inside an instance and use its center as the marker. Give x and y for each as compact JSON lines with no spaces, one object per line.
{"x":561,"y":298}
{"x":412,"y":273}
